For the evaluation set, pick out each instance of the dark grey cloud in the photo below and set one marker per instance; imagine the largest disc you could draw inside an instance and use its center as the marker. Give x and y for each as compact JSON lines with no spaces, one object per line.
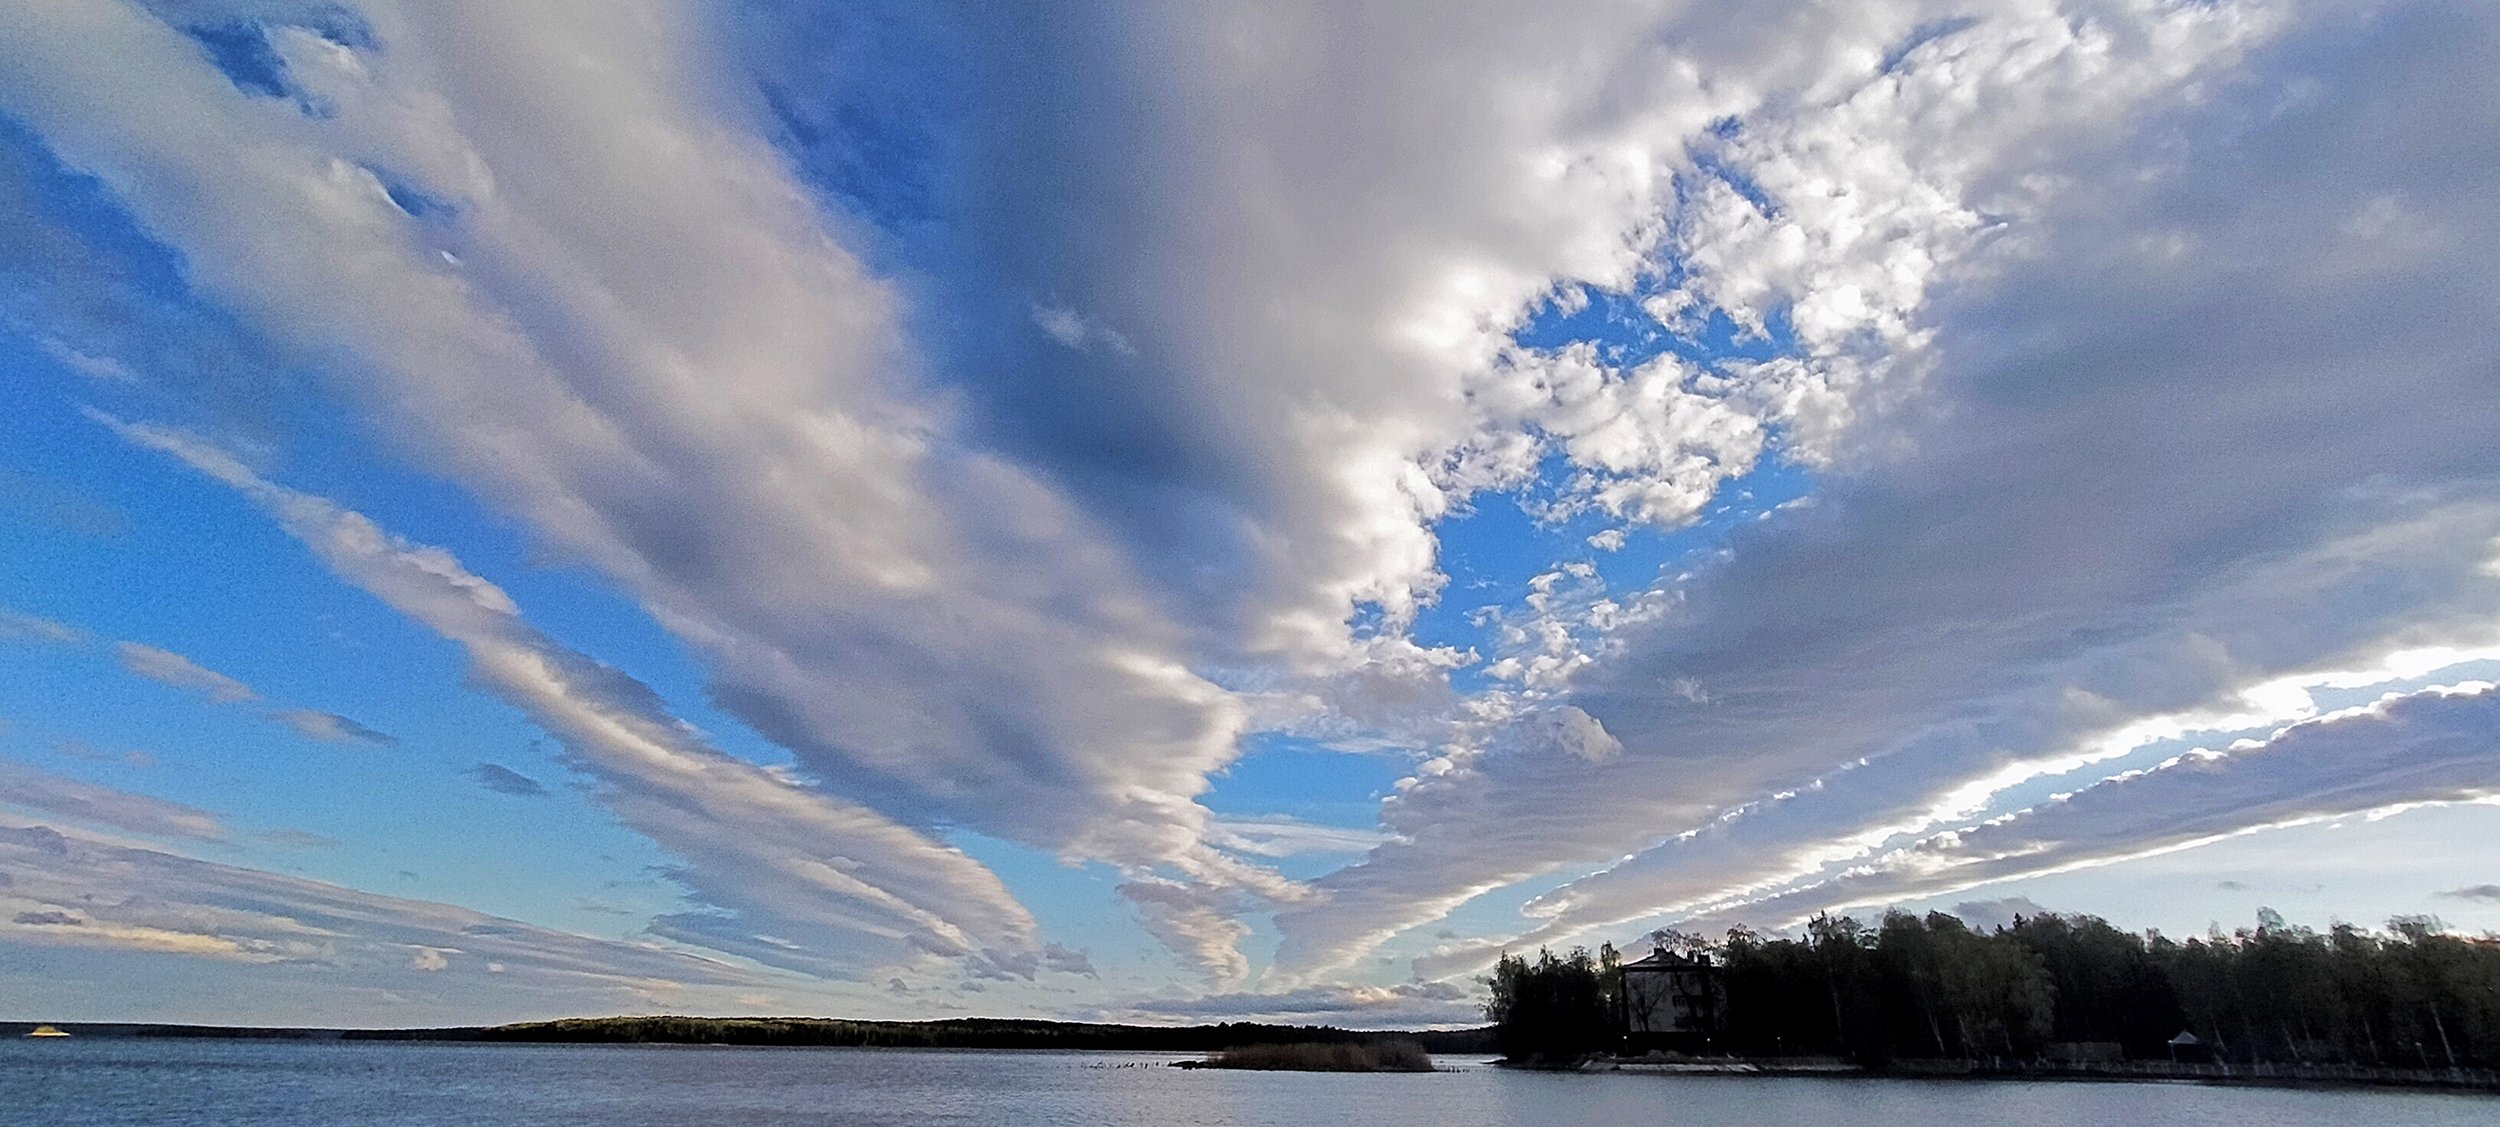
{"x":2489,"y":893}
{"x":504,"y":780}
{"x":1068,"y":960}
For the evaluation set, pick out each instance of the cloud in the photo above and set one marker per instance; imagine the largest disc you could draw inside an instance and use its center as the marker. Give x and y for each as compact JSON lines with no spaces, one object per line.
{"x":174,"y":669}
{"x":1989,"y":915}
{"x":1317,"y":285}
{"x":764,"y":853}
{"x":1322,"y":277}
{"x":1074,"y":330}
{"x":2435,"y":746}
{"x":2484,"y":892}
{"x":1278,"y":835}
{"x":2120,"y":345}
{"x":1201,"y":923}
{"x":2062,"y":510}
{"x":330,"y":727}
{"x":253,"y":933}
{"x":869,"y":588}
{"x":182,"y":673}
{"x":297,"y":839}
{"x":1400,"y":1006}
{"x":504,"y":780}
{"x":82,"y":750}
{"x":110,"y":316}
{"x":103,"y":368}
{"x":1067,"y":960}
{"x":18,"y":626}
{"x":104,"y":807}
{"x":1314,"y":363}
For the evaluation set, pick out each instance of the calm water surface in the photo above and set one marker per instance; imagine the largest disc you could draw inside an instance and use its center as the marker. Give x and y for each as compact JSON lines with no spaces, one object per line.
{"x":91,"y":1081}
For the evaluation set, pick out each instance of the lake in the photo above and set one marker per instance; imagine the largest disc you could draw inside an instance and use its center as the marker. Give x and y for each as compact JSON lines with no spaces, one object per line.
{"x":89,"y":1082}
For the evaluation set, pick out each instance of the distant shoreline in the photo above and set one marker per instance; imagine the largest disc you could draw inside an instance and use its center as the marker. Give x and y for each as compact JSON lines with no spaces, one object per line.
{"x":952,"y":1033}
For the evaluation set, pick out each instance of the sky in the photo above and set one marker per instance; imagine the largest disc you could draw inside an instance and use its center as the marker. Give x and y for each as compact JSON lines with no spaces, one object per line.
{"x":1178,"y":512}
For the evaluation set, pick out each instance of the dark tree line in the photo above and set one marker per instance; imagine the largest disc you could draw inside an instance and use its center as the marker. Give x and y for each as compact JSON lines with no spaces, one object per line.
{"x":953,"y":1033}
{"x":956,"y":1033}
{"x":1932,"y":987}
{"x":1555,"y":1008}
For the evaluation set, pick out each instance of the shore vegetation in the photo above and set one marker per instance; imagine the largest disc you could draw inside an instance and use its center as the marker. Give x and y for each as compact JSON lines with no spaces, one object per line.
{"x":1396,"y":1054}
{"x":1933,"y":988}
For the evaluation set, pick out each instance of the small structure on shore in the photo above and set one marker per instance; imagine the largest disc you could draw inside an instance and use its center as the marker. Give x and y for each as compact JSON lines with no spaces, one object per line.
{"x":1672,"y":1003}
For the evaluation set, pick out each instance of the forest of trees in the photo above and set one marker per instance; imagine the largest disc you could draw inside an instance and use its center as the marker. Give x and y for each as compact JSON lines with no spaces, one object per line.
{"x":1554,"y":1008}
{"x":1932,"y":987}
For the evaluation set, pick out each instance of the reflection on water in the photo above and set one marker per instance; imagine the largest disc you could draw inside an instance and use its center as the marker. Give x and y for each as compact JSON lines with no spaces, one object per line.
{"x":89,"y":1082}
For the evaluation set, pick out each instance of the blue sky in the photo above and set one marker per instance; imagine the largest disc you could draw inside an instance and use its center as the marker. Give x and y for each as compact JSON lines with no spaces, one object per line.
{"x":1163,"y":514}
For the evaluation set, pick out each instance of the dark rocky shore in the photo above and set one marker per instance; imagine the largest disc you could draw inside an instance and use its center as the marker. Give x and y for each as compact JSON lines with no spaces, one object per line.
{"x":2261,"y":1073}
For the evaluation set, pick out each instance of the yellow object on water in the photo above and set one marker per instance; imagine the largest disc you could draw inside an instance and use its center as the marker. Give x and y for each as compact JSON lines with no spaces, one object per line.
{"x":47,"y":1031}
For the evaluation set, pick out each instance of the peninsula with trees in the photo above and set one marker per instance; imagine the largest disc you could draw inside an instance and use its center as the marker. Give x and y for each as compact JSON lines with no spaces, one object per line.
{"x":2047,"y":995}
